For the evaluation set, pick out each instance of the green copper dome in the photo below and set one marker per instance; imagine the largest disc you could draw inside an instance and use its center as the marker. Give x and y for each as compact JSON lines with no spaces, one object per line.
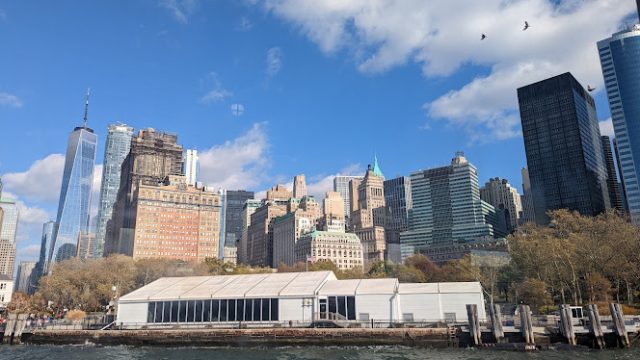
{"x":376,"y":168}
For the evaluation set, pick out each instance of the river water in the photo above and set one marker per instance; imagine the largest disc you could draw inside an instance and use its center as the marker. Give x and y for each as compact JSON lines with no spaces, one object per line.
{"x":32,"y":352}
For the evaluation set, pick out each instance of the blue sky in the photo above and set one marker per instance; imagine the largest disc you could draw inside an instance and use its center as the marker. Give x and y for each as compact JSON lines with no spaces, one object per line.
{"x":324,"y":84}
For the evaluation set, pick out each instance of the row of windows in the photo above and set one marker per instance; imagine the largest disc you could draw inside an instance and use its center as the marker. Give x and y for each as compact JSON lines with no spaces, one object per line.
{"x":213,"y":310}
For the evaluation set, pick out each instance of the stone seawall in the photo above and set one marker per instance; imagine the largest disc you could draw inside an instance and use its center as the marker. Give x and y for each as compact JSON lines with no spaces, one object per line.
{"x":432,"y":337}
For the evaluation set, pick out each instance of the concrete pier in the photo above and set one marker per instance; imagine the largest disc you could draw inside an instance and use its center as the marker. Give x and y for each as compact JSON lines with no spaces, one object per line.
{"x":423,"y":337}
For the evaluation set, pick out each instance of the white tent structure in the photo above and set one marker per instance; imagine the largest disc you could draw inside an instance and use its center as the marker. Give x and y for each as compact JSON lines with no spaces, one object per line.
{"x":300,"y":298}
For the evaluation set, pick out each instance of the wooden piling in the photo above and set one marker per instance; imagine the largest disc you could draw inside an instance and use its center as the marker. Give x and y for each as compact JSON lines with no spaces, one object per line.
{"x":566,"y":324}
{"x":496,"y":323}
{"x":526,"y":325}
{"x":618,"y":324}
{"x":474,"y":324}
{"x":595,"y":326}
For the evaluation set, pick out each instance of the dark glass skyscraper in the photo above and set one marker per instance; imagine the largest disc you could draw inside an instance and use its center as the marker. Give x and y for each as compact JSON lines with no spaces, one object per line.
{"x":397,"y":198}
{"x":235,"y":200}
{"x":615,"y":195}
{"x":564,"y":151}
{"x":75,"y":194}
{"x":620,"y":60}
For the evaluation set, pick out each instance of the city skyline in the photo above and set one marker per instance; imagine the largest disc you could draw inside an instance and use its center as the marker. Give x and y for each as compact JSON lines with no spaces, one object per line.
{"x":262,"y":130}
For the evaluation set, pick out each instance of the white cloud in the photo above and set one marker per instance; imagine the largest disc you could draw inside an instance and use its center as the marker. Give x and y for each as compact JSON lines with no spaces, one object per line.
{"x":240,"y":163}
{"x":180,"y":9}
{"x":274,"y":61}
{"x":41,"y":182}
{"x":29,"y":252}
{"x":217,"y":93}
{"x":606,"y":128}
{"x":7,"y":99}
{"x":442,"y":37}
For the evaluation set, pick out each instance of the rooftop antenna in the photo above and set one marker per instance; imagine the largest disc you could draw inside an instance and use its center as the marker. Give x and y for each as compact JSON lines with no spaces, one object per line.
{"x":86,"y":106}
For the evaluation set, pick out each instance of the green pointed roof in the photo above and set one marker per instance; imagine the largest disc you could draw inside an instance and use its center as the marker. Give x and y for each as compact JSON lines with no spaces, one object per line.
{"x":376,"y":168}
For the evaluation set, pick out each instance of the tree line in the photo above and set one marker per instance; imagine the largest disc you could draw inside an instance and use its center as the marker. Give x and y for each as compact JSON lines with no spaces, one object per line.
{"x":576,"y":259}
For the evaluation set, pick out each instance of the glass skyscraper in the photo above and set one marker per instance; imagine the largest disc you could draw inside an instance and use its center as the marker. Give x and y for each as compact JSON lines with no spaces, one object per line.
{"x":116,"y":149}
{"x":75,"y":194}
{"x":9,"y":220}
{"x":446,"y":208}
{"x":563,"y":146}
{"x":620,"y":60}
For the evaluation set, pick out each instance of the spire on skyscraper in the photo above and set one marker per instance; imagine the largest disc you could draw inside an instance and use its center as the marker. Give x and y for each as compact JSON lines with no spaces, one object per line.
{"x":376,"y":168}
{"x":86,"y":108}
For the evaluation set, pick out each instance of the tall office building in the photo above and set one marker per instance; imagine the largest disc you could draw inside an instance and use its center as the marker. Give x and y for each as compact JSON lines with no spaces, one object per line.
{"x":153,"y":156}
{"x":10,"y":217}
{"x":260,"y":232}
{"x":75,"y":194}
{"x":116,"y":149}
{"x":8,"y":229}
{"x":234,"y":204}
{"x":623,"y":194}
{"x":85,"y":246}
{"x":23,"y":278}
{"x":45,"y":250}
{"x":248,"y":209}
{"x":299,"y":186}
{"x":288,"y":228}
{"x":333,"y":213}
{"x":612,"y":177}
{"x":397,"y":198}
{"x":368,"y":213}
{"x":502,"y":196}
{"x":528,"y":212}
{"x":191,"y":166}
{"x":621,"y":70}
{"x":341,"y":186}
{"x":564,"y":151}
{"x":447,"y":208}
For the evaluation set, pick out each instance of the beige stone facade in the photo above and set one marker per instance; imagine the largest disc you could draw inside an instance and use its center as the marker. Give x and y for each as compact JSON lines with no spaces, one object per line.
{"x":85,"y":245}
{"x":176,"y":221}
{"x":368,"y":214}
{"x":7,"y":257}
{"x":343,"y":249}
{"x":260,"y":233}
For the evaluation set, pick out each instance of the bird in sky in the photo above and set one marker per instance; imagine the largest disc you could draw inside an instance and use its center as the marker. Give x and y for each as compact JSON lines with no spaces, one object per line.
{"x":483,"y":37}
{"x":526,"y":26}
{"x":590,"y":88}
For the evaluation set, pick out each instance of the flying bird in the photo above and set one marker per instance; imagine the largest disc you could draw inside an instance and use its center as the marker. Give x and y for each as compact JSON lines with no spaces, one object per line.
{"x":590,"y":88}
{"x":483,"y":37}
{"x":526,"y":26}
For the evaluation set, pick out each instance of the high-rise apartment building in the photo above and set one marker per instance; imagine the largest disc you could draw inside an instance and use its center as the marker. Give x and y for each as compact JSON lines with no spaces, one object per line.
{"x":248,"y":209}
{"x":615,"y":195}
{"x":153,"y":156}
{"x":174,"y":220}
{"x":75,"y":193}
{"x":8,"y":229}
{"x":341,"y":186}
{"x":368,"y":214}
{"x":279,"y":193}
{"x":7,"y":257}
{"x":260,"y":232}
{"x":621,"y":70}
{"x":502,"y":196}
{"x":333,"y":213}
{"x":447,"y":208}
{"x":10,"y":217}
{"x":299,"y":186}
{"x":287,"y":229}
{"x":564,"y":151}
{"x":116,"y":149}
{"x":23,"y":278}
{"x":191,"y":166}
